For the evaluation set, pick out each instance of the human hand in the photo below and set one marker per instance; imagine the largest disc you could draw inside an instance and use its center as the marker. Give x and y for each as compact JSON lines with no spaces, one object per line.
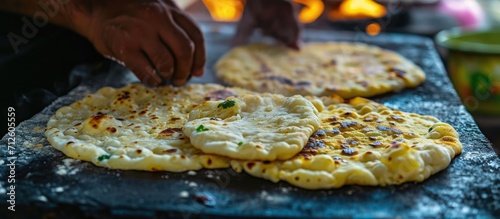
{"x":153,"y":38}
{"x":276,"y":18}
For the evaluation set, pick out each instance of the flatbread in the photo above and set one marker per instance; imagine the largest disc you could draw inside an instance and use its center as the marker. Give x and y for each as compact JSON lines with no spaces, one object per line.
{"x":135,"y":128}
{"x":253,"y":127}
{"x":320,"y":69}
{"x":365,"y":143}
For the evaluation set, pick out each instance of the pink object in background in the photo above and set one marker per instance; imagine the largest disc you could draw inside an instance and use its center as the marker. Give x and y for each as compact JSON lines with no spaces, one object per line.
{"x":467,"y":12}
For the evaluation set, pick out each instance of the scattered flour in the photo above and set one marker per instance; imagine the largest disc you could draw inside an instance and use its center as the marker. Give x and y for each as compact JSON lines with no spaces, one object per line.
{"x":58,"y":189}
{"x":67,"y":168}
{"x":42,"y":198}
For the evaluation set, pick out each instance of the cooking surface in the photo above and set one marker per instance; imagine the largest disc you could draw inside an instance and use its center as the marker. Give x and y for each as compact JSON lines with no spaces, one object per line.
{"x":47,"y":183}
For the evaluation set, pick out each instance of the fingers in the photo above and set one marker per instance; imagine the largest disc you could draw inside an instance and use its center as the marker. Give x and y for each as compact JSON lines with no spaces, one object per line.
{"x":276,"y":19}
{"x":128,"y":52}
{"x":196,"y":36}
{"x":246,"y":26}
{"x":157,"y":41}
{"x":290,"y":35}
{"x":160,"y":57}
{"x":286,"y":27}
{"x":182,"y":49}
{"x":140,"y":65}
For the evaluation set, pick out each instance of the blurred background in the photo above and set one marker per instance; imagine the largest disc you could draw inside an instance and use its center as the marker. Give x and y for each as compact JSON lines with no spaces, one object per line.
{"x":466,"y":34}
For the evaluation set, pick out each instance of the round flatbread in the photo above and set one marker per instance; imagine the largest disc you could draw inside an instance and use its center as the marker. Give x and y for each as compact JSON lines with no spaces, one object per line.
{"x":135,"y":127}
{"x":362,"y":142}
{"x":320,"y":69}
{"x":253,"y":127}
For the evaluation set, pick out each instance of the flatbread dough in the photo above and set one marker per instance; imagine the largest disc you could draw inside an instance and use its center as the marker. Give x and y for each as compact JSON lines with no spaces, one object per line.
{"x":136,"y":128}
{"x":365,"y":143}
{"x":320,"y":69}
{"x":253,"y":127}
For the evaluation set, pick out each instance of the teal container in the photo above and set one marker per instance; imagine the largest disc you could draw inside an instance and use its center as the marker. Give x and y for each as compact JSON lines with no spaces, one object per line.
{"x":474,"y":67}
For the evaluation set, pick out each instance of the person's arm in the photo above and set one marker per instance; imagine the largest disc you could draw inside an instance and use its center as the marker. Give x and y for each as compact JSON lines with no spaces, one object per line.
{"x":54,"y":10}
{"x":153,"y":38}
{"x":275,"y":18}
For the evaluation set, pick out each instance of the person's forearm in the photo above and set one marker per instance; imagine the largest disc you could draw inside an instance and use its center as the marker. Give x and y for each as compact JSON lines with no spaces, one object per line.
{"x":60,"y":12}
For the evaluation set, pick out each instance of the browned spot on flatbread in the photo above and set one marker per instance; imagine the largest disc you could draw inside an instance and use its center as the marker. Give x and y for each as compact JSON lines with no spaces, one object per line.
{"x":124,"y":95}
{"x":363,"y":83}
{"x":399,"y":73}
{"x":306,"y":156}
{"x":448,"y":139}
{"x":302,"y":84}
{"x":376,"y":144}
{"x":96,"y":120}
{"x":352,"y":142}
{"x":368,"y":119}
{"x":168,"y":132}
{"x":111,"y":130}
{"x":281,"y":79}
{"x":264,"y":68}
{"x":219,"y":95}
{"x":395,"y":145}
{"x":250,"y":165}
{"x":312,"y":146}
{"x":389,"y":129}
{"x":172,"y":150}
{"x":319,"y":134}
{"x":349,"y":151}
{"x":288,"y":81}
{"x":348,"y":124}
{"x":397,"y":118}
{"x":333,"y":120}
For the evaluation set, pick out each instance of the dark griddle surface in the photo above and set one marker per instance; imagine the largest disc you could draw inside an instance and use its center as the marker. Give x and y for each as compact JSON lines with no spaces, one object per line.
{"x":470,"y":186}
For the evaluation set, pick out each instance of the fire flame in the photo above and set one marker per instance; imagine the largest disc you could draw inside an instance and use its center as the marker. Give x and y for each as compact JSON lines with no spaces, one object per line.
{"x":225,"y":10}
{"x":231,"y":10}
{"x":311,"y":11}
{"x":357,"y":9}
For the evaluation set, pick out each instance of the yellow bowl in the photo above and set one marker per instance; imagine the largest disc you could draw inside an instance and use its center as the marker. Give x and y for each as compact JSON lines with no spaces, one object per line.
{"x":474,"y":67}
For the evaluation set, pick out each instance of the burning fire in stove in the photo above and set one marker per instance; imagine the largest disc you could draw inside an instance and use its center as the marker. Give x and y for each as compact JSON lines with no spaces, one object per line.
{"x":225,"y":10}
{"x":357,"y":9}
{"x":231,"y":10}
{"x":311,"y":10}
